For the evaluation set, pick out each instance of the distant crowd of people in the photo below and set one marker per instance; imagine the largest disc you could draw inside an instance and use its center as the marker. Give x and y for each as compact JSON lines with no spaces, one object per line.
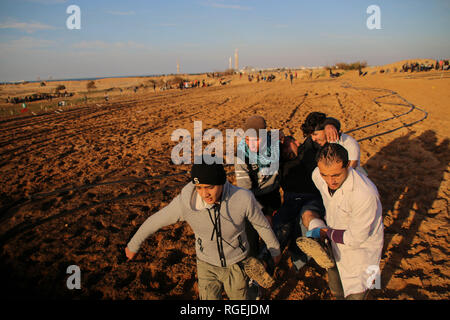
{"x":259,"y":77}
{"x":416,"y":67}
{"x":38,"y":96}
{"x":184,"y":84}
{"x":442,"y":65}
{"x":291,"y":75}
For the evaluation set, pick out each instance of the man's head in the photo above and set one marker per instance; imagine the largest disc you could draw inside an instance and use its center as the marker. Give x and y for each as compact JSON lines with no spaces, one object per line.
{"x":209,"y":180}
{"x":256,"y":123}
{"x":333,"y":164}
{"x":314,"y":125}
{"x":313,"y":122}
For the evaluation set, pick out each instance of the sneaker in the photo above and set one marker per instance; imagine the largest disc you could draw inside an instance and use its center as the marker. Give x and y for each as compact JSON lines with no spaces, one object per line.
{"x":256,"y":271}
{"x":315,"y":250}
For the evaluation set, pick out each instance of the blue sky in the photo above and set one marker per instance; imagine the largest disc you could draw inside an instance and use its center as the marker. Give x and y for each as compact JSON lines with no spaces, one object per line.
{"x":149,"y":37}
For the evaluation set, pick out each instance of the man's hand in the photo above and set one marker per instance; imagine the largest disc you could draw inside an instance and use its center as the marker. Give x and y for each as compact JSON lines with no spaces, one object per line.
{"x":323,"y":233}
{"x":331,"y":133}
{"x":130,"y":255}
{"x":317,"y":233}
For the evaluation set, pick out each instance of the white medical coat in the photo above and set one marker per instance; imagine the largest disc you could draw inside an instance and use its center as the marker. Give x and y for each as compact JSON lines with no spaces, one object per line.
{"x":356,"y":208}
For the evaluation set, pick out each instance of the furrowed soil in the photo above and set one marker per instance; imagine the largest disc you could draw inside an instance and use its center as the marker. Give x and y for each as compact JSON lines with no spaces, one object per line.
{"x":77,"y":182}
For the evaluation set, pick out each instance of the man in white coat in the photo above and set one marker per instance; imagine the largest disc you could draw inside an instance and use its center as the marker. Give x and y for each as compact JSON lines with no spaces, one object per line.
{"x":354,"y":225}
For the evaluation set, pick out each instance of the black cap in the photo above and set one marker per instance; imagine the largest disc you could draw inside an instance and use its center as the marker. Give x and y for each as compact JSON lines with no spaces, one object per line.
{"x":212,"y":174}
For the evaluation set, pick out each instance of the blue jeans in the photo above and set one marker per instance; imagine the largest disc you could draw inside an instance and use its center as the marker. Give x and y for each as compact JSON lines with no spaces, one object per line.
{"x":288,"y":226}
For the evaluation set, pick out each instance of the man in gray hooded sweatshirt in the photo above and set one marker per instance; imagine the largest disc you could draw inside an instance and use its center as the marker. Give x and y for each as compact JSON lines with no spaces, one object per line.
{"x":216,"y":211}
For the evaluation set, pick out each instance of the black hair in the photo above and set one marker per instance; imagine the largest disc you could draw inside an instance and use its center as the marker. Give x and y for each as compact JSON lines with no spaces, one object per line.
{"x":313,"y":121}
{"x":333,"y":121}
{"x":332,"y":153}
{"x":316,"y":121}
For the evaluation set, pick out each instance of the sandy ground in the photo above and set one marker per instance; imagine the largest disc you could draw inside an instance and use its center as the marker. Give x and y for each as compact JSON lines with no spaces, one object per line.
{"x":77,"y":184}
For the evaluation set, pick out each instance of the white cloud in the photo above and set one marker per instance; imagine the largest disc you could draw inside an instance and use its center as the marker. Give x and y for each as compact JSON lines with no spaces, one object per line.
{"x":28,"y":27}
{"x":26,"y":43}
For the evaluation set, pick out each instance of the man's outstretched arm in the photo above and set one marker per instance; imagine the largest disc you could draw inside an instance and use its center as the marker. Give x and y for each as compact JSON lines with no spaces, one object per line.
{"x":164,"y":217}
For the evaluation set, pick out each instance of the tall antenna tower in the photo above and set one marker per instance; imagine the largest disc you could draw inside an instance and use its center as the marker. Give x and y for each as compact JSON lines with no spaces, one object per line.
{"x":178,"y":67}
{"x":236,"y":60}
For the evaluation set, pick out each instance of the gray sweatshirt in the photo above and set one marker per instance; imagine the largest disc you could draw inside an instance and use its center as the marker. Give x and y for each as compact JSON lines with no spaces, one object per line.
{"x":250,"y":177}
{"x":219,"y":241}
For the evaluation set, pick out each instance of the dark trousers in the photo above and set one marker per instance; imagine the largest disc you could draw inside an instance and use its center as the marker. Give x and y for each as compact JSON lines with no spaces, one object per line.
{"x":335,"y":284}
{"x":288,"y":226}
{"x":270,"y":203}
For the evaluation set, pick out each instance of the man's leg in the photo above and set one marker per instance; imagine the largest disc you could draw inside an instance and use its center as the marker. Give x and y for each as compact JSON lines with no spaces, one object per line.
{"x":209,"y":286}
{"x":283,"y":225}
{"x":358,"y":296}
{"x":235,"y":283}
{"x":298,"y":257}
{"x":312,"y":214}
{"x":270,"y":202}
{"x":254,"y":268}
{"x":335,"y":284}
{"x":310,"y":219}
{"x":293,"y":204}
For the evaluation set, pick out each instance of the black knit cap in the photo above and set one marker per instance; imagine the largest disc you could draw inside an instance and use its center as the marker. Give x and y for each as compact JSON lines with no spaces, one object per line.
{"x":212,"y":174}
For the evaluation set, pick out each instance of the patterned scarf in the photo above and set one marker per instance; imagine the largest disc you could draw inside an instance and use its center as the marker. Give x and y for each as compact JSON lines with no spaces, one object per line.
{"x":267,"y":153}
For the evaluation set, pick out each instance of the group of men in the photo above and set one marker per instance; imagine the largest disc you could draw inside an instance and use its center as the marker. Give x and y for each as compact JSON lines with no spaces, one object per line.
{"x":330,"y":212}
{"x":416,"y":67}
{"x":191,"y":84}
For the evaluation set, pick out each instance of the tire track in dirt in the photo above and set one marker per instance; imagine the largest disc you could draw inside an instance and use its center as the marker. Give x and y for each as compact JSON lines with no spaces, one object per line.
{"x":75,"y":115}
{"x":101,"y":213}
{"x":93,"y":107}
{"x":110,"y":109}
{"x":57,"y":134}
{"x":287,"y":122}
{"x":121,"y":181}
{"x":376,"y":100}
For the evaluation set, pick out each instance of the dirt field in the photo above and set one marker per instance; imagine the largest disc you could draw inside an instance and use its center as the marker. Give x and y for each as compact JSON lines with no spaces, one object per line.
{"x":77,"y":183}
